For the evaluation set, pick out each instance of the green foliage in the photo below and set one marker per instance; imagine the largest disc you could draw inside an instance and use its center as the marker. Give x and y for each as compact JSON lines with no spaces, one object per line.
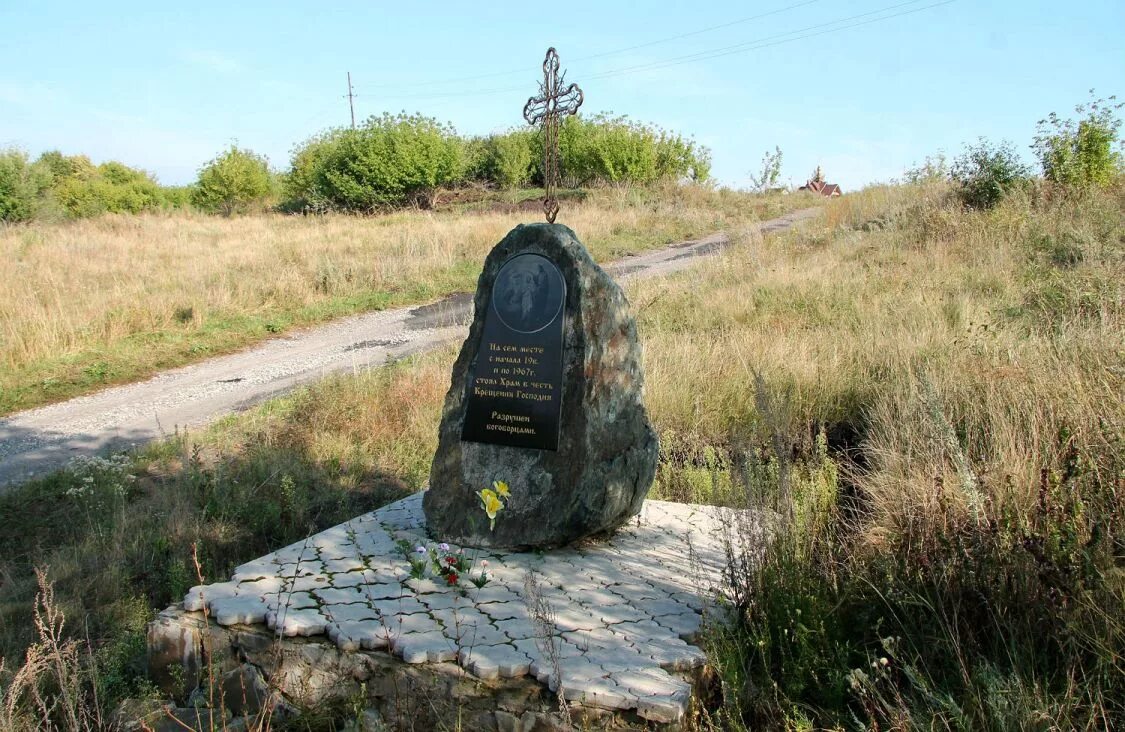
{"x":177,"y":197}
{"x":109,"y":188}
{"x":234,"y":182}
{"x":769,"y":173}
{"x":74,"y":187}
{"x":507,"y":160}
{"x":67,"y":166}
{"x":597,"y":151}
{"x":615,"y":150}
{"x":933,"y":169}
{"x":21,"y":186}
{"x":511,"y":158}
{"x":985,"y":172}
{"x":1080,"y":153}
{"x":389,"y":161}
{"x":476,"y":158}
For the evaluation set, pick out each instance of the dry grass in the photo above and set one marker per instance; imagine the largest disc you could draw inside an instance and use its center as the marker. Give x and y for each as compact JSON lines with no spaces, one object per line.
{"x":114,"y":299}
{"x":967,"y":369}
{"x":877,"y":331}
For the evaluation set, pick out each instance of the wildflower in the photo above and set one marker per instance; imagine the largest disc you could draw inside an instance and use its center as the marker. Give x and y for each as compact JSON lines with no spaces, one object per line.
{"x":420,"y":549}
{"x":484,"y":562}
{"x":491,"y":505}
{"x":452,"y":578}
{"x":451,"y":560}
{"x":443,"y":546}
{"x":501,"y":488}
{"x":884,"y":662}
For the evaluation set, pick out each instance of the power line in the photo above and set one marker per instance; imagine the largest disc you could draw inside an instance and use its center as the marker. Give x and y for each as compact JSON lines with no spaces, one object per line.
{"x":697,"y":32}
{"x":759,"y":43}
{"x":615,"y":52}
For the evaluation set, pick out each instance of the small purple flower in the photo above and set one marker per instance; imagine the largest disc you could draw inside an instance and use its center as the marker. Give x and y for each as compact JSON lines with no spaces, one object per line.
{"x":420,"y":549}
{"x":443,"y":546}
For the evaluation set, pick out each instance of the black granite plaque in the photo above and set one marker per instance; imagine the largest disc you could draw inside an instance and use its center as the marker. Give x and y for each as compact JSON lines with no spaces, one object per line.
{"x":515,"y":394}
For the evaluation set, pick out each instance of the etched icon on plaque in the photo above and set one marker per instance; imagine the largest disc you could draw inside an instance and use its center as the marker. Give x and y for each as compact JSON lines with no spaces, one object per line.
{"x":528,"y":293}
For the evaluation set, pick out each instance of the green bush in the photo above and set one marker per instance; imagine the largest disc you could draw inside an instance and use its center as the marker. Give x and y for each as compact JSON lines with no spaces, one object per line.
{"x":476,"y":159}
{"x":1080,"y":153}
{"x":985,"y":172}
{"x":234,"y":182}
{"x":21,"y":185}
{"x":389,"y":161}
{"x":81,"y":189}
{"x":302,"y":187}
{"x":507,"y":160}
{"x":62,"y":166}
{"x":769,"y":172}
{"x":934,"y":169}
{"x":177,"y":197}
{"x":511,"y":158}
{"x":614,"y":150}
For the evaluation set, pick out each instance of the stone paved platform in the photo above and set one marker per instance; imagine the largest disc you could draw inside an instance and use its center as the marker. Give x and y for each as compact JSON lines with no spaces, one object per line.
{"x":620,"y":614}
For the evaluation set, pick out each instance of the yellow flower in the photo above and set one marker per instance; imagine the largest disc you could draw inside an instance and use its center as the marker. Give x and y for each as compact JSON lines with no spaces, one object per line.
{"x":491,"y":505}
{"x":501,"y":488}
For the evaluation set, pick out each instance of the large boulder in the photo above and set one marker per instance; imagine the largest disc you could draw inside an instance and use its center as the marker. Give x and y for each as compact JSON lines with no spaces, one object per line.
{"x":606,"y":452}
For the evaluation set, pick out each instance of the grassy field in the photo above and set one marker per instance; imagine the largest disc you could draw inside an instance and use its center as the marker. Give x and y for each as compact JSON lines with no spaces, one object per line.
{"x":115,"y":299}
{"x":929,"y":398}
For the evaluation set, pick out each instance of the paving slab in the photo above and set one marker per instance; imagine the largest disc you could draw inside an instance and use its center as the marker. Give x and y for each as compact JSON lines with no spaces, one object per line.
{"x":610,"y":619}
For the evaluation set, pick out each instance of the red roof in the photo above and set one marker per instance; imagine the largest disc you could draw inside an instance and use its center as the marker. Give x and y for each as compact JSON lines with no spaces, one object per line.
{"x":824,"y":189}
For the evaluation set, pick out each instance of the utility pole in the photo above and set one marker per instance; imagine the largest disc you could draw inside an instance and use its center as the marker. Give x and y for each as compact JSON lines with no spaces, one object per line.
{"x":351,"y":97}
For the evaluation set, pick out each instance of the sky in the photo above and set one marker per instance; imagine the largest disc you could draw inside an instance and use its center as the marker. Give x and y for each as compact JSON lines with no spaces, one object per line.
{"x":864,"y":89}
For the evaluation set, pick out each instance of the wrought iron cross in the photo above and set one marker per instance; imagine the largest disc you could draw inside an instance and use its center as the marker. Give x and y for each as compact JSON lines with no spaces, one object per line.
{"x":546,"y":109}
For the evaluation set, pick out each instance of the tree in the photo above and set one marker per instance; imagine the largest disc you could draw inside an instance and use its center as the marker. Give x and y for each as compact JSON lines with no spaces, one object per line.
{"x":1079,"y":153}
{"x":985,"y":172}
{"x":21,"y":184}
{"x":933,"y":169}
{"x":770,"y":171}
{"x":617,"y":150}
{"x":388,"y":161}
{"x":511,"y":158}
{"x":236,"y":181}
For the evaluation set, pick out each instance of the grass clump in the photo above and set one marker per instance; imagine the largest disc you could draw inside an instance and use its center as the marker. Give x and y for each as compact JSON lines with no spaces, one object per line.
{"x":930,"y":406}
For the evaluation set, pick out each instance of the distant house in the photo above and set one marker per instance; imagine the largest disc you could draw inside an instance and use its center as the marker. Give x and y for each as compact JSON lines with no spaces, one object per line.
{"x":816,"y":184}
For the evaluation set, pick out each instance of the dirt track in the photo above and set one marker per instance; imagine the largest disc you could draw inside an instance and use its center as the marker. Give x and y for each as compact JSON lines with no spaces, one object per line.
{"x":44,"y":439}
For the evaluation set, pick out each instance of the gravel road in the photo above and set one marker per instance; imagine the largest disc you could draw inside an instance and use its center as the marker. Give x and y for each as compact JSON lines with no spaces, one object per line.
{"x":44,"y":439}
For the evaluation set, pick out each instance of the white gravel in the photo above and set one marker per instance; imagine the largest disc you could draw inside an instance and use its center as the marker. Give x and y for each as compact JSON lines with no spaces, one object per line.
{"x":44,"y":439}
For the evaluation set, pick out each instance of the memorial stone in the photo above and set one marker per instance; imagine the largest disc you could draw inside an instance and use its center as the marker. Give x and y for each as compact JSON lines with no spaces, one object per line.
{"x":544,"y":438}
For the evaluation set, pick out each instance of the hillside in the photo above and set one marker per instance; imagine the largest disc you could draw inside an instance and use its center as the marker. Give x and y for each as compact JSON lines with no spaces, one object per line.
{"x":928,"y":397}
